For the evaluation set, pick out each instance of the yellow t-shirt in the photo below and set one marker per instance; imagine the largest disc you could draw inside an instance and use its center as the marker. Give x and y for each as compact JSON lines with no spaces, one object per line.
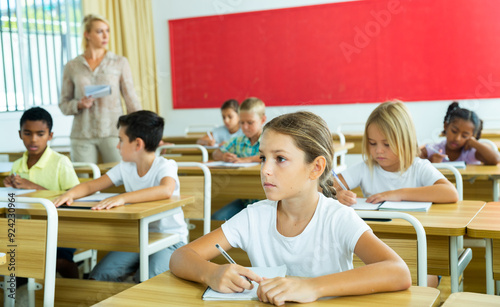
{"x":53,"y":171}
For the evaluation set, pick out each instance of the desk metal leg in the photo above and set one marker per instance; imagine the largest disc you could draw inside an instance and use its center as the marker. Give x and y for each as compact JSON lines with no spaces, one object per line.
{"x":143,"y":252}
{"x":490,"y":283}
{"x":454,"y":264}
{"x":496,"y":189}
{"x":8,"y":301}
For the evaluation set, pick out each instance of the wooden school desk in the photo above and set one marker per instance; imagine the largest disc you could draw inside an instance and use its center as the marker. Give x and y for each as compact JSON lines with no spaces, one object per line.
{"x":480,"y":181}
{"x":486,"y":224}
{"x":119,"y":229}
{"x":443,"y":224}
{"x":166,"y":289}
{"x":467,"y":299}
{"x":183,"y":139}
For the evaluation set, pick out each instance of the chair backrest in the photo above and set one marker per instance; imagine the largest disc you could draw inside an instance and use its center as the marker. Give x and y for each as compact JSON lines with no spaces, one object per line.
{"x":421,"y":239}
{"x":203,"y":150}
{"x":489,"y":142}
{"x":96,"y":172}
{"x":201,"y":188}
{"x":35,"y":244}
{"x":458,"y":177}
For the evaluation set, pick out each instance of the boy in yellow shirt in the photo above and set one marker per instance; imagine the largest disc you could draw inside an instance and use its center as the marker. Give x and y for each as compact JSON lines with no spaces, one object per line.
{"x":41,"y":168}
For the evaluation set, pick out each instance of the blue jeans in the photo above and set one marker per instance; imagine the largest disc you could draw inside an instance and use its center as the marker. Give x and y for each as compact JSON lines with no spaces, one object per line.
{"x":230,"y":210}
{"x":117,"y":266}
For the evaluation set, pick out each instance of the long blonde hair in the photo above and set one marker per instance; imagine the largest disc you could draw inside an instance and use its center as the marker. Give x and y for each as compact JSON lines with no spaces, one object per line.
{"x":311,"y":135}
{"x":395,"y":122}
{"x":87,"y":26}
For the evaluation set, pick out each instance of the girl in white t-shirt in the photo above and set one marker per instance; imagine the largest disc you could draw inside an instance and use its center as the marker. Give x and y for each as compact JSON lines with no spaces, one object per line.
{"x":311,"y":233}
{"x":230,"y":129}
{"x":391,"y":169}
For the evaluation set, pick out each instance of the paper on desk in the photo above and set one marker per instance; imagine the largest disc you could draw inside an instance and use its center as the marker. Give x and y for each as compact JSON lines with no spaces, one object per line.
{"x":97,"y":91}
{"x":268,"y":272}
{"x":456,"y":164}
{"x":419,"y":206}
{"x":4,"y":191}
{"x":223,"y":164}
{"x":392,"y":205}
{"x":97,"y":197}
{"x":361,"y":204}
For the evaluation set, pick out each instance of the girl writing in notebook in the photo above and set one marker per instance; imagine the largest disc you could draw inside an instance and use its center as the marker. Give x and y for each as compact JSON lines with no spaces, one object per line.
{"x":391,"y":169}
{"x":462,"y":129}
{"x":310,"y":232}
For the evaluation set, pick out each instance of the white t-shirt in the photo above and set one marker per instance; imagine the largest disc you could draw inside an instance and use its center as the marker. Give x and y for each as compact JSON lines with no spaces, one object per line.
{"x":221,"y":134}
{"x":420,"y":174}
{"x":126,"y":173}
{"x":324,"y":247}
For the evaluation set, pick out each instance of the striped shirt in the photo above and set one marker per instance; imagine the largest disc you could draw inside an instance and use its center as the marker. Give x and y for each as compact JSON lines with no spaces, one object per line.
{"x":241,"y":147}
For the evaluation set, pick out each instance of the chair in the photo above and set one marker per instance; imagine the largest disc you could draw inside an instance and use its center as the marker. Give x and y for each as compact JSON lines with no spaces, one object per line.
{"x":339,"y":163}
{"x":96,"y":172}
{"x":421,"y":238}
{"x":458,"y":177}
{"x":204,"y":152}
{"x":489,"y":142}
{"x":35,"y":249}
{"x":192,"y":185}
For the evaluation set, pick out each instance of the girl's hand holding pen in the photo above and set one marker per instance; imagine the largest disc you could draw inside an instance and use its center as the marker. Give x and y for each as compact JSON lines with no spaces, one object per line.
{"x":437,"y":156}
{"x":229,"y":278}
{"x":344,"y":196}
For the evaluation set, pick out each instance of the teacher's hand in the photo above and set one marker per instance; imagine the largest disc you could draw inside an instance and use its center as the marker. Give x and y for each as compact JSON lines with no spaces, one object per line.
{"x":85,"y":103}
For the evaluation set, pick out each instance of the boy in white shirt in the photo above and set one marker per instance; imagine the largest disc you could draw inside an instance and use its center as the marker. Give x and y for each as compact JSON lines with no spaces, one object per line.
{"x":146,"y":177}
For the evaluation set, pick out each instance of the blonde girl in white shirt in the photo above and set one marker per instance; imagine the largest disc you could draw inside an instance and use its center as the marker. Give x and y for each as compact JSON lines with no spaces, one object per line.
{"x":310,"y":232}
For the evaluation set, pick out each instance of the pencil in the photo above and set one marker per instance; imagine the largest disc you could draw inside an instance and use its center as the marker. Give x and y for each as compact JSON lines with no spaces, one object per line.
{"x":339,"y":181}
{"x":228,"y":258}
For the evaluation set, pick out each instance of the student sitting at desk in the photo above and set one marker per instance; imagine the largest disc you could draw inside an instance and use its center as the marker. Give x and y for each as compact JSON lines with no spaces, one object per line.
{"x":392,"y":169}
{"x":41,"y":168}
{"x":310,"y":232}
{"x":229,"y":130}
{"x":462,"y":129}
{"x":146,"y":177}
{"x":243,"y":148}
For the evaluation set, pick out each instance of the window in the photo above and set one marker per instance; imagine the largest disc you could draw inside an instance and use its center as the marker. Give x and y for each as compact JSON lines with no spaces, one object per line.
{"x":37,"y":37}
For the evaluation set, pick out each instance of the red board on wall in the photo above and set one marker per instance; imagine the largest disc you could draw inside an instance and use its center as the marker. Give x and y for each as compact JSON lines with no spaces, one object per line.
{"x":349,"y":52}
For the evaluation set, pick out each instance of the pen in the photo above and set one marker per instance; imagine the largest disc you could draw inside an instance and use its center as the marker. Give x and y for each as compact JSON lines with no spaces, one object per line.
{"x":210,"y":136}
{"x":435,"y":149}
{"x":338,"y":180}
{"x":226,"y":255}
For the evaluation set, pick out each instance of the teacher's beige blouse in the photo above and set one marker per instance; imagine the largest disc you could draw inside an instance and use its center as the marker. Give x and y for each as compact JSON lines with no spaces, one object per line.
{"x":100,"y":120}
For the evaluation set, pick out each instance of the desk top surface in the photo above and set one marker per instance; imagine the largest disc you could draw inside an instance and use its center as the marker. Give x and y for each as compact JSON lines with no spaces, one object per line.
{"x":467,"y":299}
{"x":486,"y":223}
{"x":166,"y":289}
{"x":132,"y":211}
{"x":441,"y":219}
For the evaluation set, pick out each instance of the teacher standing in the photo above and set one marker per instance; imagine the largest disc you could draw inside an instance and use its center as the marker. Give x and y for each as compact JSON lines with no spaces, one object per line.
{"x":94,"y":128}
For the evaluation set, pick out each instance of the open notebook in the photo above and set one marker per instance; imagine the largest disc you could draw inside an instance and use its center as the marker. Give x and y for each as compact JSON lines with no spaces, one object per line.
{"x":271,"y":272}
{"x":392,"y":205}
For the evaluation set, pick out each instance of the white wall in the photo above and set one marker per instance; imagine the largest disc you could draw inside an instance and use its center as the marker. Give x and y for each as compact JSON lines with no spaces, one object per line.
{"x":9,"y":127}
{"x":428,"y":116}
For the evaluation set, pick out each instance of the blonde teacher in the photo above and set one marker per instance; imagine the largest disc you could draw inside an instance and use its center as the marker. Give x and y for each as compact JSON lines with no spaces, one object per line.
{"x":94,"y":130}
